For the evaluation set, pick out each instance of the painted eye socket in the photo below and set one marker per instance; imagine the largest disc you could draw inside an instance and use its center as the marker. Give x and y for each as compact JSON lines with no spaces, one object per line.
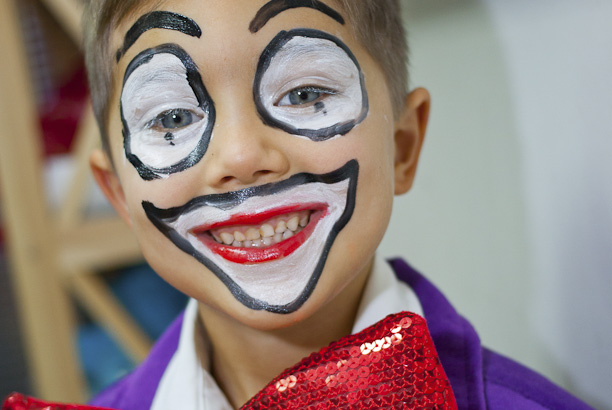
{"x":308,"y":83}
{"x":173,"y":119}
{"x":304,"y":95}
{"x":166,"y":111}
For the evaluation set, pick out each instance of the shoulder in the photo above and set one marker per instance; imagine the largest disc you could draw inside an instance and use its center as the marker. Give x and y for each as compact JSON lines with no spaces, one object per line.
{"x":509,"y":385}
{"x":136,"y":390}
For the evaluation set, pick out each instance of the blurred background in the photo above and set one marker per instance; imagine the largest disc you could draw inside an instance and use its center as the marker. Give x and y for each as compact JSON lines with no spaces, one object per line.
{"x":511,"y":212}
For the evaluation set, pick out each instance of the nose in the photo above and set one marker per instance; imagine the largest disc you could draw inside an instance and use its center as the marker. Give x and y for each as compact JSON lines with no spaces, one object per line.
{"x":244,"y":152}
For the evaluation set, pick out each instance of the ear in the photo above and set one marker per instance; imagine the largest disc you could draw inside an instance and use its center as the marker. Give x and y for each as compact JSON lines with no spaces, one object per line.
{"x":409,"y":135}
{"x":105,"y":176}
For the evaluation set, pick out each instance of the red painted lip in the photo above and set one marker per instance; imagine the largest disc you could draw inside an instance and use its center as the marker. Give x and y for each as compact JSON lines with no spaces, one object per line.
{"x":259,"y":255}
{"x":259,"y":218}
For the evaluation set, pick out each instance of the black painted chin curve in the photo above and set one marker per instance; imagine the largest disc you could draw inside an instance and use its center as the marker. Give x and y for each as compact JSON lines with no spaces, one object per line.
{"x":159,"y":19}
{"x":275,"y":7}
{"x":194,"y":79}
{"x":162,"y":218}
{"x":265,"y":60}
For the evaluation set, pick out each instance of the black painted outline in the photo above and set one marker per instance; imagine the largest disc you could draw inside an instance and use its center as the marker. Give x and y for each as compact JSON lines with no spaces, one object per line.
{"x":162,"y":217}
{"x":274,"y":7}
{"x":206,"y":104}
{"x":265,"y":59}
{"x":159,"y":19}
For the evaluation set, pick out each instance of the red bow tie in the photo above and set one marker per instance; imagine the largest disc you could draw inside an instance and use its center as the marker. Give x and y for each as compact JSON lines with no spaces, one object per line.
{"x":390,"y":365}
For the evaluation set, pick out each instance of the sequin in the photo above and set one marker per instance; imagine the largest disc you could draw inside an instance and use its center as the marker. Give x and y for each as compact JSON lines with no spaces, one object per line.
{"x":362,"y":384}
{"x":331,"y":368}
{"x":363,"y":372}
{"x":375,"y":357}
{"x":405,"y":322}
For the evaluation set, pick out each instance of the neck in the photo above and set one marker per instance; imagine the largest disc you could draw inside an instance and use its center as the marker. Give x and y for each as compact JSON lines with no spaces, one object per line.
{"x":245,"y":359}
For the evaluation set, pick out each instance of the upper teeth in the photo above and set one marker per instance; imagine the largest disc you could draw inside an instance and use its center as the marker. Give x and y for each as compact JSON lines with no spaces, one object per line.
{"x":271,"y":232}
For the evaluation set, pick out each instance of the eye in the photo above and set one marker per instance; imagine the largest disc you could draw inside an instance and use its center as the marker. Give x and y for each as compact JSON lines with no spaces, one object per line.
{"x":174,"y":119}
{"x":304,"y":95}
{"x":166,"y":112}
{"x":308,"y":83}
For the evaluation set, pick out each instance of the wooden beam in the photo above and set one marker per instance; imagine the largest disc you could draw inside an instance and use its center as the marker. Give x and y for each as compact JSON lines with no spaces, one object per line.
{"x":42,"y":301}
{"x":68,"y":13}
{"x":105,"y":309}
{"x":100,"y":243}
{"x":86,"y":139}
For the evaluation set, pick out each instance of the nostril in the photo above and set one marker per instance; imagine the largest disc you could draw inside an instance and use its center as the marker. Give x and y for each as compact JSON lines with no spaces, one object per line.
{"x":262,"y":173}
{"x":246,"y":179}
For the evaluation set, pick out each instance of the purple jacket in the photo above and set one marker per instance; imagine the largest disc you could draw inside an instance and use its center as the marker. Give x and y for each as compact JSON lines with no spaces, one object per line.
{"x":480,"y":378}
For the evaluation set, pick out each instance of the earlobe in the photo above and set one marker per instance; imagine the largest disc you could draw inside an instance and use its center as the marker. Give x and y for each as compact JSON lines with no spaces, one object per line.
{"x":105,"y":176}
{"x":409,"y":136}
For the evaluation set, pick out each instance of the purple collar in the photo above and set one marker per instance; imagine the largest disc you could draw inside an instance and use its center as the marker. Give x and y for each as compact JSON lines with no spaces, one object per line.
{"x":137,"y":390}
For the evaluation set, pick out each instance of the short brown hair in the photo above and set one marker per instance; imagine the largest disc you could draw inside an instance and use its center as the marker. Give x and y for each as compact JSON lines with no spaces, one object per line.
{"x":376,"y":23}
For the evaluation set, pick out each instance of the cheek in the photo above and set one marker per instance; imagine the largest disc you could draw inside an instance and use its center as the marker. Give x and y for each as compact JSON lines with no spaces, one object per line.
{"x":177,"y":268}
{"x":166,"y":192}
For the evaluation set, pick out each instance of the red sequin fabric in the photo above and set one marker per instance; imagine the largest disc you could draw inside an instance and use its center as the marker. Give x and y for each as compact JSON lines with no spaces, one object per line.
{"x":390,"y":365}
{"x":18,"y":401}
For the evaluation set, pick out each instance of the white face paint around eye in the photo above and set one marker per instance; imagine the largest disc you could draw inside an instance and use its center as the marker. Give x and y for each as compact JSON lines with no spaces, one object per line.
{"x":166,"y":112}
{"x":309,"y":83}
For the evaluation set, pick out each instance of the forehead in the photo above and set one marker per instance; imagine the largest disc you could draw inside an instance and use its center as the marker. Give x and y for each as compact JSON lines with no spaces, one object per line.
{"x":225,"y":38}
{"x":191,"y":17}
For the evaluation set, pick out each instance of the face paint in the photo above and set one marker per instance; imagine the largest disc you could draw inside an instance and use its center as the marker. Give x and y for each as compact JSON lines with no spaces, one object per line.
{"x":275,"y":7}
{"x":166,"y":111}
{"x":159,"y":19}
{"x":309,"y":83}
{"x":278,"y":278}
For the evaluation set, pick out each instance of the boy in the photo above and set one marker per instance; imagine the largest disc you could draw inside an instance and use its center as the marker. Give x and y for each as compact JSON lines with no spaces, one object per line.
{"x":255,"y":148}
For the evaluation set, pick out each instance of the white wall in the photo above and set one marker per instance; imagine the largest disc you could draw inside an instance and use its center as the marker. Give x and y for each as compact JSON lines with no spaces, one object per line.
{"x":511,"y":214}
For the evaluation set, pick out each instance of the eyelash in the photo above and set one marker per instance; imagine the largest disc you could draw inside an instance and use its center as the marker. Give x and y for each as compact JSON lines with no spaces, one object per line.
{"x":321,"y":90}
{"x":157,"y":122}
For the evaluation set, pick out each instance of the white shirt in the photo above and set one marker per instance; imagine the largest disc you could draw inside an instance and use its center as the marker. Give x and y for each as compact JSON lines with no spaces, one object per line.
{"x":186,"y":383}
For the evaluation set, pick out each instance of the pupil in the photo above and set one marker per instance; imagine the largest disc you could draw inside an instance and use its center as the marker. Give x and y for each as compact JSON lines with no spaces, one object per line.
{"x":177,"y":118}
{"x":303,"y":95}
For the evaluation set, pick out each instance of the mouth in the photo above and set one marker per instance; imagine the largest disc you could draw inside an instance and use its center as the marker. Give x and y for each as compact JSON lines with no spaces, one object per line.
{"x":262,"y":237}
{"x":267,"y":244}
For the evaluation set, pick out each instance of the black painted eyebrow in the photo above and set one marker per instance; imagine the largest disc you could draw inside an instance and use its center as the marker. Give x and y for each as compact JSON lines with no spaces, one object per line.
{"x":159,"y":19}
{"x":275,"y":7}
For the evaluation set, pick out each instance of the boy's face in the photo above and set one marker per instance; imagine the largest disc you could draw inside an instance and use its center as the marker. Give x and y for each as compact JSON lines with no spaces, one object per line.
{"x":254,"y":145}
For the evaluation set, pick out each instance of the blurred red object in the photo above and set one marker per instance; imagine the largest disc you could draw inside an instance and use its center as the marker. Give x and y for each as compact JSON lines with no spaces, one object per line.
{"x":18,"y":401}
{"x":59,"y":117}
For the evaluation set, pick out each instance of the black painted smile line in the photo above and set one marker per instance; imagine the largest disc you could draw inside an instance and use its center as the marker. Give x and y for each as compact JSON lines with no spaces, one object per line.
{"x":164,"y":218}
{"x":230,"y":200}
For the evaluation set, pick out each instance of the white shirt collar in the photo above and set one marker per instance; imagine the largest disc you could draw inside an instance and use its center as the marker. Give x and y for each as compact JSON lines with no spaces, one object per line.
{"x":383,"y":295}
{"x":187,"y":385}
